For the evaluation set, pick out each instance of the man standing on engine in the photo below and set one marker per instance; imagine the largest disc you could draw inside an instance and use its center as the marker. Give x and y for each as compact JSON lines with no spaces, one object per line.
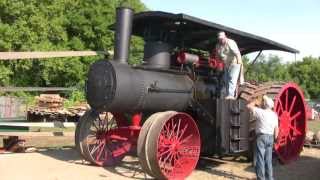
{"x":266,"y":132}
{"x":227,"y":50}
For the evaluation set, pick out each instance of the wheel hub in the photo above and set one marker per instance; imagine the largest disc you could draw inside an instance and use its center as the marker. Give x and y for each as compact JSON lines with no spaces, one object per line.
{"x":285,"y":122}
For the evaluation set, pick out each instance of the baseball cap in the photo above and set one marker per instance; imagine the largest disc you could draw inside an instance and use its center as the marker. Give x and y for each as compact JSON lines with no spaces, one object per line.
{"x":267,"y":102}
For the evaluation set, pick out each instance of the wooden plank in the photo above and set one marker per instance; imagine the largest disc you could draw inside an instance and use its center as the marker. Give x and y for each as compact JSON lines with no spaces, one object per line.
{"x":45,"y":89}
{"x":39,"y":124}
{"x":37,"y":134}
{"x":48,"y":54}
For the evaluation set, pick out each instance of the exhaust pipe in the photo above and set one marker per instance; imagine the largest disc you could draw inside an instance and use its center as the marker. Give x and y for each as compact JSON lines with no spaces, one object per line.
{"x":124,"y":17}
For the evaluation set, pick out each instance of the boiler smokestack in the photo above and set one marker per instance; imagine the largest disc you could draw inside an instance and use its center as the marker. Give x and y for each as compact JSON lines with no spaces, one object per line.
{"x":122,"y":35}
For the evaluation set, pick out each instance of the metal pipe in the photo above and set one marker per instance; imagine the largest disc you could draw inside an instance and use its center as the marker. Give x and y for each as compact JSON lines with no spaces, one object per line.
{"x":124,"y":17}
{"x":254,"y":61}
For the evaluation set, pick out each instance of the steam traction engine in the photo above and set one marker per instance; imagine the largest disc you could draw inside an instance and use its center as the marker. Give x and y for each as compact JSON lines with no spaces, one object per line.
{"x":170,"y":110}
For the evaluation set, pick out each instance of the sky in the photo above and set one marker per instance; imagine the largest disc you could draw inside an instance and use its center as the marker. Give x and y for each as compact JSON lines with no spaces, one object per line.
{"x":295,"y":23}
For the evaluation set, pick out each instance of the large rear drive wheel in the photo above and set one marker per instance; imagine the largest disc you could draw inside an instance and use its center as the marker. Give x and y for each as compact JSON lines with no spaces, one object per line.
{"x":290,"y":107}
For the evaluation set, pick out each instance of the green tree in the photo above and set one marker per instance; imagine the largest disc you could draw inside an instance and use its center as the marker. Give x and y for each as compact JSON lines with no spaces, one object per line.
{"x":305,"y":73}
{"x":266,"y":69}
{"x":48,"y":25}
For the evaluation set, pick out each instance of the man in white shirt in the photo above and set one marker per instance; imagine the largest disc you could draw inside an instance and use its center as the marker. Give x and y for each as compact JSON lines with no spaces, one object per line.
{"x":227,"y":50}
{"x":266,"y":131}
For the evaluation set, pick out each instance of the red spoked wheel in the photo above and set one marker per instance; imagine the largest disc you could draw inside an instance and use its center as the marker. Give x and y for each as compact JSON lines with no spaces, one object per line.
{"x":290,"y":106}
{"x":104,"y":140}
{"x":292,"y":112}
{"x":172,"y":145}
{"x":78,"y":137}
{"x":141,"y":144}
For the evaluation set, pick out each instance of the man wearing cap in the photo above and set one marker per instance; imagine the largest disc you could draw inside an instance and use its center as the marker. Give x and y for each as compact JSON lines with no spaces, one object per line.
{"x":227,"y":50}
{"x":266,"y":132}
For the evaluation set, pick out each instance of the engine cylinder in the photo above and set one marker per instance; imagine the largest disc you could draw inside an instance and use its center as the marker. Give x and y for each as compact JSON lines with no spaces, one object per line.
{"x":114,"y":86}
{"x":157,"y":54}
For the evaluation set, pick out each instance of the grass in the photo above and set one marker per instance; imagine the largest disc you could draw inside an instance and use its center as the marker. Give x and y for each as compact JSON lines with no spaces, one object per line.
{"x":314,"y":126}
{"x":49,"y":129}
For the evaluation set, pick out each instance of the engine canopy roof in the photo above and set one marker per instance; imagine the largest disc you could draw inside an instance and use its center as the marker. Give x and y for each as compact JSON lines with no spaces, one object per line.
{"x":184,"y":31}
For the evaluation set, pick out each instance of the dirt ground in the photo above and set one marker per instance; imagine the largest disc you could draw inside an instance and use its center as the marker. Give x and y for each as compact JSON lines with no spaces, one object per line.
{"x":63,"y":163}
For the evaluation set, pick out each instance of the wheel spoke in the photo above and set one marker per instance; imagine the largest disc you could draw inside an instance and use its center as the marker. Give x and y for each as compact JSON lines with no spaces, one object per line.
{"x":167,"y":130}
{"x":172,"y":159}
{"x":281,"y":106}
{"x":111,"y":123}
{"x":182,"y":132}
{"x":96,"y":146}
{"x":106,"y":117}
{"x":296,"y":130}
{"x":120,"y":147}
{"x":163,"y":162}
{"x":111,"y":151}
{"x":172,"y":131}
{"x":292,"y":103}
{"x":100,"y":121}
{"x":105,"y":129}
{"x":177,"y":162}
{"x":103,"y":124}
{"x":178,"y":128}
{"x":91,"y":136}
{"x":186,"y":139}
{"x":172,"y":125}
{"x":101,"y":150}
{"x":290,"y":136}
{"x":93,"y":132}
{"x":295,"y":115}
{"x":166,"y":159}
{"x":94,"y":125}
{"x":287,"y":100}
{"x":92,"y":139}
{"x":164,"y":152}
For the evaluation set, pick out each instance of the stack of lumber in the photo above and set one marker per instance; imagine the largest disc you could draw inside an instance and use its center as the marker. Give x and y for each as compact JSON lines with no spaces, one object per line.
{"x":79,"y":110}
{"x":49,"y":107}
{"x":50,"y":101}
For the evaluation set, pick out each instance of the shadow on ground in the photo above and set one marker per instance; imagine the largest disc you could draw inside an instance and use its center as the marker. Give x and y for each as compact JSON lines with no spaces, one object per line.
{"x":306,"y":167}
{"x":130,"y":167}
{"x":66,"y":153}
{"x":212,"y":166}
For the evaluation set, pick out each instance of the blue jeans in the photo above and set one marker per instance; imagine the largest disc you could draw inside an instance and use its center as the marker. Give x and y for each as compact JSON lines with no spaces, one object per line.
{"x":231,"y":78}
{"x":264,"y":145}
